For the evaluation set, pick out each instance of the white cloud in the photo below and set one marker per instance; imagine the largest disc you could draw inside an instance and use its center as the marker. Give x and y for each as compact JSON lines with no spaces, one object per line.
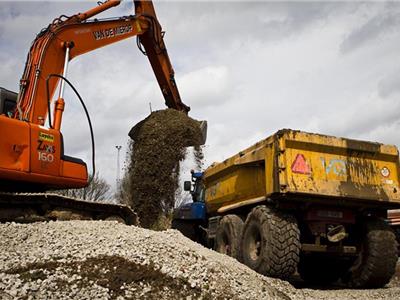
{"x":208,"y":86}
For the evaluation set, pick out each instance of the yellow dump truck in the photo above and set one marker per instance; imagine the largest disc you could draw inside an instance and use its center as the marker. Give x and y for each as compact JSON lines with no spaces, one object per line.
{"x":303,"y":202}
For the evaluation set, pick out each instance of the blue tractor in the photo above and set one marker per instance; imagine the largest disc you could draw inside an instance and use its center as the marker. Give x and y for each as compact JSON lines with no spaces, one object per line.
{"x":191,"y":218}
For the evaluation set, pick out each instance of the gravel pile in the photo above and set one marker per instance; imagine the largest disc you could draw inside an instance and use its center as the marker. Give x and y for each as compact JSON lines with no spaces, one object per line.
{"x":108,"y":260}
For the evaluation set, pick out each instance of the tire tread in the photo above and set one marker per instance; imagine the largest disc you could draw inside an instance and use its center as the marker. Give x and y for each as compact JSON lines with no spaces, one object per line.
{"x":282,"y":257}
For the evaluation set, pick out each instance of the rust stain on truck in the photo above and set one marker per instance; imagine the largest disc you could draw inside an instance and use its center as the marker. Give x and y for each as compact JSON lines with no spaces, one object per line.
{"x":296,"y":163}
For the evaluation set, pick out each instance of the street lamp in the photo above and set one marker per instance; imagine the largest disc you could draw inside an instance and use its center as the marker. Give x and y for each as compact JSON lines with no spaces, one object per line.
{"x":118,"y":179}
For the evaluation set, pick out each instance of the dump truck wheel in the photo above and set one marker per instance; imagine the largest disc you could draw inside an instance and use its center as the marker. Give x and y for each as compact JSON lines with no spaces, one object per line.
{"x":186,"y":228}
{"x":228,"y":236}
{"x":271,"y":242}
{"x":321,"y":270}
{"x":376,"y":263}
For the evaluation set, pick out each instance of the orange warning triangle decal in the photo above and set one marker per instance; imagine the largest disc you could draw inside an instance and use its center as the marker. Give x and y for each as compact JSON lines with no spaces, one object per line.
{"x":300,"y":165}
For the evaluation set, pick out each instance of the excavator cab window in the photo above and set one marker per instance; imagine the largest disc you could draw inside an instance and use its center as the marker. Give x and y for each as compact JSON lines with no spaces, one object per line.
{"x":8,"y":101}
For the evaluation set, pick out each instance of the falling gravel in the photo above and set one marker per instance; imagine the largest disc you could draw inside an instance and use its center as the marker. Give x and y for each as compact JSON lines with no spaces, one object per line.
{"x":109,"y":260}
{"x":158,"y":147}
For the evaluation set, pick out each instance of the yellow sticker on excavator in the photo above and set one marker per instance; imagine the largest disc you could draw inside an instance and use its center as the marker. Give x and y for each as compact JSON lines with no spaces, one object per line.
{"x":46,"y":137}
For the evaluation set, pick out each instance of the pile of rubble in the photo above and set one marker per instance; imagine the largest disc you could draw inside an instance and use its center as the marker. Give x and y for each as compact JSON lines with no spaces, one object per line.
{"x":108,"y":260}
{"x":93,"y":260}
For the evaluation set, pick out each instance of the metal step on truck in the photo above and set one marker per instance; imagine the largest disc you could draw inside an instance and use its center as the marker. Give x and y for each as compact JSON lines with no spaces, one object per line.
{"x":300,"y":202}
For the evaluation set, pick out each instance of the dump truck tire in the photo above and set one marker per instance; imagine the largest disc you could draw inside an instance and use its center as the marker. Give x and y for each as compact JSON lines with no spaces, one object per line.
{"x":186,"y":228}
{"x":228,"y":236}
{"x":315,"y":269}
{"x":270,"y":242}
{"x":376,"y":263}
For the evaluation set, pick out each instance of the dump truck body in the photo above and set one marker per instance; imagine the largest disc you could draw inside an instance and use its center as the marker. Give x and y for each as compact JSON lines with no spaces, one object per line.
{"x":301,"y":201}
{"x":299,"y":166}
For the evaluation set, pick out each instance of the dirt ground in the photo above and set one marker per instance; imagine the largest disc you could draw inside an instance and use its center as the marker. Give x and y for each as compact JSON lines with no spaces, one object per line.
{"x":112,"y":273}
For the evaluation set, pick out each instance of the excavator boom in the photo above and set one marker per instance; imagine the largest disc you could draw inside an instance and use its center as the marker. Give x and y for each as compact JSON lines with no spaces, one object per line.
{"x":74,"y":36}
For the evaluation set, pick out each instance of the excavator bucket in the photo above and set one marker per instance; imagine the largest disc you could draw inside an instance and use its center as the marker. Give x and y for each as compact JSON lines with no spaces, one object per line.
{"x":135,"y":131}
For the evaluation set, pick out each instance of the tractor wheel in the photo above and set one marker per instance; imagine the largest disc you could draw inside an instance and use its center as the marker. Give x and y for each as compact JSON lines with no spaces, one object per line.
{"x":271,"y":242}
{"x":228,"y":236}
{"x":376,"y":263}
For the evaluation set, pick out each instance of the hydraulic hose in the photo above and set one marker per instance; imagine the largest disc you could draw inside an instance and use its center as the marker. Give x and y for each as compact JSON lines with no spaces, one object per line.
{"x":86,"y":112}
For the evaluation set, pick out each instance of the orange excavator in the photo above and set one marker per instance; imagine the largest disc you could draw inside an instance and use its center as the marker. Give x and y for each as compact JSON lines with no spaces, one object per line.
{"x":32,"y":155}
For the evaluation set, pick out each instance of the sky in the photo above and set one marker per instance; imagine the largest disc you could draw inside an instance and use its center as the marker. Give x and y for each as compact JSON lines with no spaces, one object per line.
{"x":248,"y":68}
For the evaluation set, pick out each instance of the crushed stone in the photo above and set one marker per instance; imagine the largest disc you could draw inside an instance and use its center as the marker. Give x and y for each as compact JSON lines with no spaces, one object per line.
{"x":109,"y":260}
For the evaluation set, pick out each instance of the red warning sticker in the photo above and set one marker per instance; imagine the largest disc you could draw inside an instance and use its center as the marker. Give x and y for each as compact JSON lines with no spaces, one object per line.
{"x":300,"y":165}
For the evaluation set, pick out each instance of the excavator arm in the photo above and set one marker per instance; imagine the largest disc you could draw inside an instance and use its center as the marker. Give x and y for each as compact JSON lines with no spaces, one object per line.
{"x":154,"y":47}
{"x":69,"y":37}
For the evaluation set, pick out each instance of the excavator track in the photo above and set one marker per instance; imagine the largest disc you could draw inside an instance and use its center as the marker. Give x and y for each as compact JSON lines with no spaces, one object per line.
{"x":36,"y":207}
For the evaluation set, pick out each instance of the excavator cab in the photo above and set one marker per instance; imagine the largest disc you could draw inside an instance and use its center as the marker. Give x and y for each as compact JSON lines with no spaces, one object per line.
{"x":8,"y":101}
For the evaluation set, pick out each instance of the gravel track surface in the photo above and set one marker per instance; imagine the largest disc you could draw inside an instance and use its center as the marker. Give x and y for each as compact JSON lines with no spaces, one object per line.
{"x":108,"y":260}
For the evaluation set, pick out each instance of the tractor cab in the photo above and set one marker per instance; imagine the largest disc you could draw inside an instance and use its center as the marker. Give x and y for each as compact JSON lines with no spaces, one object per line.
{"x":195,"y":186}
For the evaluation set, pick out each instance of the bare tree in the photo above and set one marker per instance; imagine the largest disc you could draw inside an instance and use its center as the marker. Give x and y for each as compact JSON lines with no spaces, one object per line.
{"x":97,"y":190}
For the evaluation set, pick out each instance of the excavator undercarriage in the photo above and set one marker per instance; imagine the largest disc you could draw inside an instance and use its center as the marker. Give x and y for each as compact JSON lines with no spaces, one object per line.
{"x":37,"y":207}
